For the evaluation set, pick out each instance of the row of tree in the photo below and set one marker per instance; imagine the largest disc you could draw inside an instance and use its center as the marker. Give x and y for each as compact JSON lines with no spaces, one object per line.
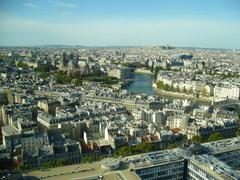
{"x":166,"y":87}
{"x":128,"y":151}
{"x":21,"y":64}
{"x":76,"y":78}
{"x":212,"y":137}
{"x":46,"y":165}
{"x":131,"y":150}
{"x":91,"y":158}
{"x":56,"y":163}
{"x":134,"y":65}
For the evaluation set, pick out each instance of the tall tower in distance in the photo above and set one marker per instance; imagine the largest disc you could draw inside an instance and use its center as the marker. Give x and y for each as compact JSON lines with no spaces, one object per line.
{"x":63,"y":61}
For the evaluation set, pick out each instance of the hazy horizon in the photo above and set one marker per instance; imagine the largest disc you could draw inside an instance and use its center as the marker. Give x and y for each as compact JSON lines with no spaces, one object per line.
{"x":113,"y":46}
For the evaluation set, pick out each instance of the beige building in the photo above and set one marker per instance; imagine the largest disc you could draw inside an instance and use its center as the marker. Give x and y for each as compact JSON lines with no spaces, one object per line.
{"x":49,"y":107}
{"x":120,"y":73}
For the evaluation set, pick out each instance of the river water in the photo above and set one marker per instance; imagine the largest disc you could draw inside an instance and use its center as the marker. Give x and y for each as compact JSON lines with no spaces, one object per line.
{"x":142,"y":83}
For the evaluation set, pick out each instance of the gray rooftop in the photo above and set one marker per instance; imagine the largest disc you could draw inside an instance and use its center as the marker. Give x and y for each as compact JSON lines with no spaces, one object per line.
{"x":9,"y":130}
{"x":155,"y":158}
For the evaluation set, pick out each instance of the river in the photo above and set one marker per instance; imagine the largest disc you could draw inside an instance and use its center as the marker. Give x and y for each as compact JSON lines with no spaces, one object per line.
{"x":142,"y":83}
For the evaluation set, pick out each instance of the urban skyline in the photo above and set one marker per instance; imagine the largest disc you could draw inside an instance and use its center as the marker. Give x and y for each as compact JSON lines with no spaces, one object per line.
{"x":140,"y":89}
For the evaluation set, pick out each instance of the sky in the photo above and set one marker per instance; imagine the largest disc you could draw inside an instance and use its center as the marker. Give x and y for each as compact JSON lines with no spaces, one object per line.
{"x":180,"y":23}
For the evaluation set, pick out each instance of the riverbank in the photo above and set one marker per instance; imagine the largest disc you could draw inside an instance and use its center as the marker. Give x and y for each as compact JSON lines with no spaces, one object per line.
{"x":142,"y":83}
{"x":182,"y":95}
{"x":143,"y":71}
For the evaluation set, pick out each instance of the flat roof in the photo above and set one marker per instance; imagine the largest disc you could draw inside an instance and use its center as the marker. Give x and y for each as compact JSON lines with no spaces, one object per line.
{"x":155,"y":158}
{"x":225,"y":145}
{"x":215,"y":167}
{"x":84,"y":171}
{"x":9,"y":130}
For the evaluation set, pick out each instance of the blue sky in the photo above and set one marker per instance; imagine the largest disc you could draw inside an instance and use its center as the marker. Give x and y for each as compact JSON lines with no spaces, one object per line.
{"x":182,"y":23}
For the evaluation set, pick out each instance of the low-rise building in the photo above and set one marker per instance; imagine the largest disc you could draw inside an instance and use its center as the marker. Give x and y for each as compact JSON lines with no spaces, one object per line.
{"x":209,"y":167}
{"x":159,"y":165}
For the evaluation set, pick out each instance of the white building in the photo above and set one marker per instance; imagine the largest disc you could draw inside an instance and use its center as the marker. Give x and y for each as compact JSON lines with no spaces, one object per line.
{"x":178,"y":121}
{"x":223,"y":93}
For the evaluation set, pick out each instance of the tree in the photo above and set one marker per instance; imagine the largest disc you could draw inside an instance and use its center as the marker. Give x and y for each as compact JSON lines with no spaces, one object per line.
{"x":197,"y":139}
{"x":44,"y":75}
{"x":78,"y":82}
{"x":152,"y":68}
{"x":76,"y":74}
{"x":134,"y":65}
{"x":184,"y":90}
{"x":23,"y":167}
{"x":156,"y":73}
{"x":42,"y":69}
{"x":191,"y":90}
{"x":160,"y":85}
{"x":48,"y":164}
{"x":62,"y":78}
{"x":168,"y":67}
{"x":177,"y":89}
{"x":215,"y":137}
{"x":56,"y":163}
{"x":167,"y":87}
{"x":62,"y":162}
{"x":171,"y":146}
{"x":125,"y":151}
{"x":22,"y":65}
{"x":89,"y":159}
{"x":140,"y":148}
{"x":144,"y":147}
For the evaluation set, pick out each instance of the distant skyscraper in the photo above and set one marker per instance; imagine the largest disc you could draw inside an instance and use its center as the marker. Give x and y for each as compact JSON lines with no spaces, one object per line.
{"x":63,"y":61}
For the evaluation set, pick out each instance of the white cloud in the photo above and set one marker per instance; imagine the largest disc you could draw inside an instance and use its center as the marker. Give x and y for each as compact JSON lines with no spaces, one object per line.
{"x":31,"y":5}
{"x":66,"y":5}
